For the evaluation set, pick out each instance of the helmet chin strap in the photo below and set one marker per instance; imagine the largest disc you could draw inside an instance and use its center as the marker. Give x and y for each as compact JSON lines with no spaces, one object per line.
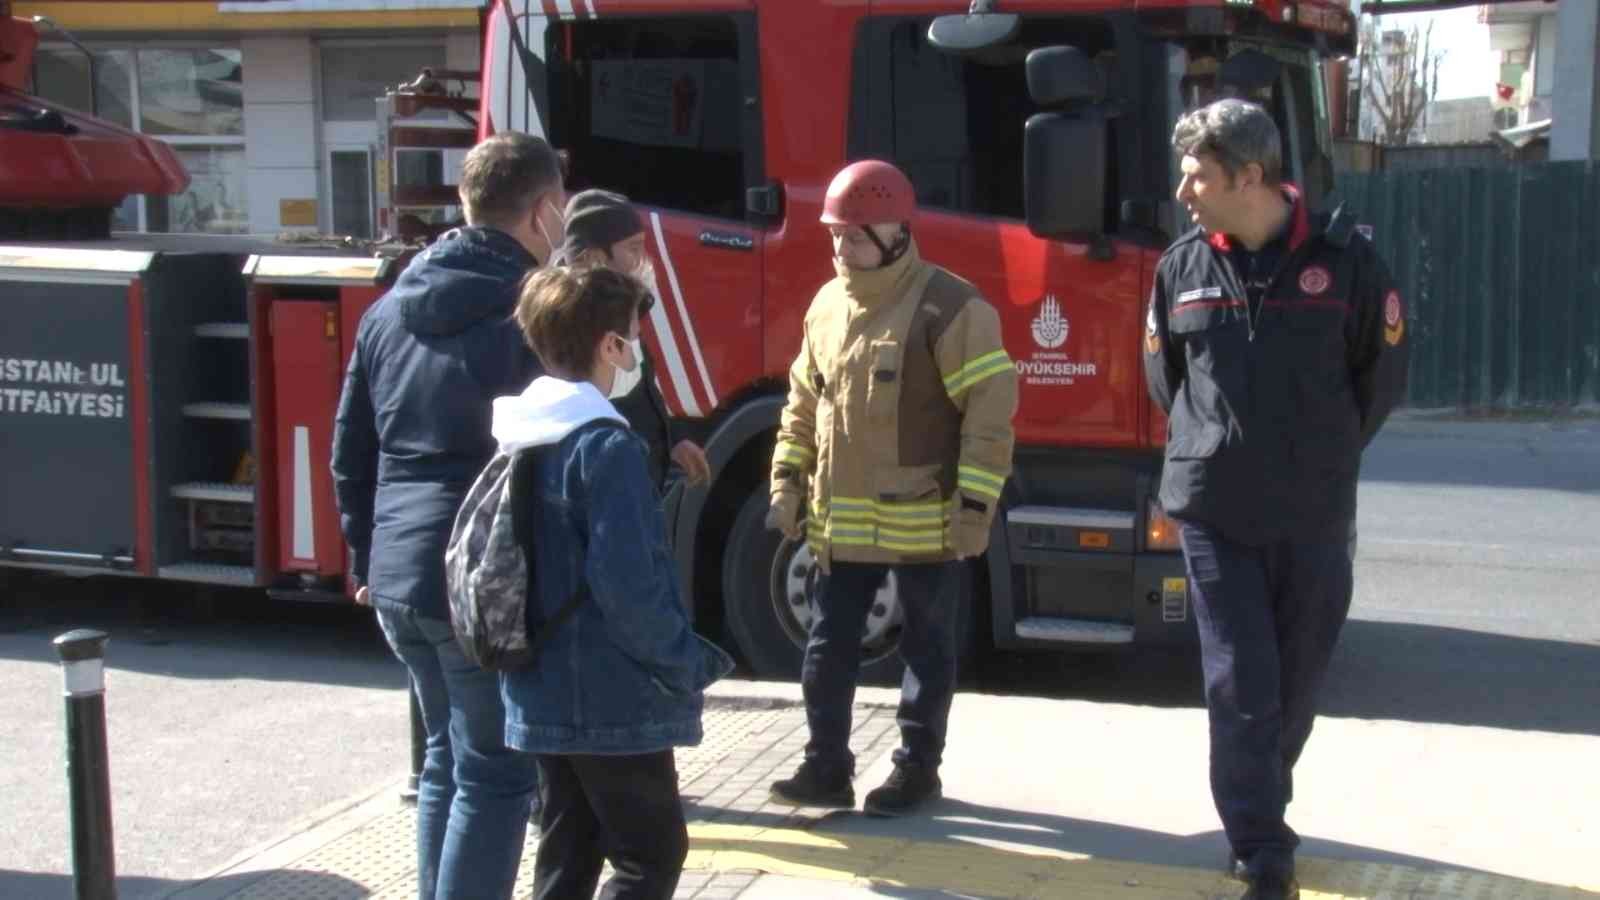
{"x":891,"y":252}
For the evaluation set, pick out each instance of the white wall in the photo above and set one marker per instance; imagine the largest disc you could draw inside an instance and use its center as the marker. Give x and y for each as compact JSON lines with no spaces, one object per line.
{"x":280,"y":126}
{"x":1575,"y":131}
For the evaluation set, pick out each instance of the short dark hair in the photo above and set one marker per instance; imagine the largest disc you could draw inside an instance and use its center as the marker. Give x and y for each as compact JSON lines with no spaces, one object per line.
{"x":503,"y":176}
{"x":564,"y":312}
{"x":1235,"y":133}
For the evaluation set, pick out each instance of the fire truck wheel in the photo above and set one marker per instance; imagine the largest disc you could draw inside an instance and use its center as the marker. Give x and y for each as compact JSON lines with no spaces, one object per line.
{"x":769,"y":588}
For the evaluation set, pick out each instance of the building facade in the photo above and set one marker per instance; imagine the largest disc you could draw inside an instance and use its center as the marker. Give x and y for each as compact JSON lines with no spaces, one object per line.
{"x":272,"y":106}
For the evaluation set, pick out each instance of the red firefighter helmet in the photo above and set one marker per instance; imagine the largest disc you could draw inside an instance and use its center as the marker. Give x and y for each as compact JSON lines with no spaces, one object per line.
{"x":870,"y":192}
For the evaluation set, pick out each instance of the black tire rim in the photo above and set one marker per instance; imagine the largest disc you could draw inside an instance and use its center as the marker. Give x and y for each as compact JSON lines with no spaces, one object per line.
{"x":793,"y":590}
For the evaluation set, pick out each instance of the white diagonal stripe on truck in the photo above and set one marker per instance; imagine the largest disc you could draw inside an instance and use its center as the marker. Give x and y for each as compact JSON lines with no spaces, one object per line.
{"x":683,"y":312}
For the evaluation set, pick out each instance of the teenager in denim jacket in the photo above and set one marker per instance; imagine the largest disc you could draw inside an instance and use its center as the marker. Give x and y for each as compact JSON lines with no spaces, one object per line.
{"x":620,"y":683}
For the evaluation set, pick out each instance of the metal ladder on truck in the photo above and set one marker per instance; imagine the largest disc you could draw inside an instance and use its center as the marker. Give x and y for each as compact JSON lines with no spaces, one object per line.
{"x":417,"y":197}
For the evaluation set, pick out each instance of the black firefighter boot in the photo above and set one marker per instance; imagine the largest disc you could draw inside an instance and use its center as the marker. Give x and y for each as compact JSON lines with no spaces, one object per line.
{"x":815,"y":784}
{"x":907,"y":788}
{"x":1270,"y":877}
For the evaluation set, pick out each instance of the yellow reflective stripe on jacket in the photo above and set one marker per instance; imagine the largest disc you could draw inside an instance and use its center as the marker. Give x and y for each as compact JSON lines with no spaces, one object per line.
{"x":882,"y":524}
{"x":985,"y":366}
{"x":980,"y":481}
{"x":888,"y":512}
{"x":794,"y":454}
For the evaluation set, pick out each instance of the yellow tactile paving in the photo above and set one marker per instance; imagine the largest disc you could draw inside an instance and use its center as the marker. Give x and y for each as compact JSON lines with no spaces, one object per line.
{"x":376,"y":860}
{"x":967,"y":868}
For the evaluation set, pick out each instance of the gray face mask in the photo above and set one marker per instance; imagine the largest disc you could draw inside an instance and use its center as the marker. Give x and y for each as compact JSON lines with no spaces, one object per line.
{"x":623,"y":381}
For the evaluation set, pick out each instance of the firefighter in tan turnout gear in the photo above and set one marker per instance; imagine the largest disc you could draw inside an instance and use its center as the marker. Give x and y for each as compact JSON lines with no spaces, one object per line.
{"x":891,"y":457}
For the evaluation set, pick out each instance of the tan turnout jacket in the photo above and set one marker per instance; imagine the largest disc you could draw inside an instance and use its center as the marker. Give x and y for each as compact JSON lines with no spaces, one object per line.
{"x":898,"y":426}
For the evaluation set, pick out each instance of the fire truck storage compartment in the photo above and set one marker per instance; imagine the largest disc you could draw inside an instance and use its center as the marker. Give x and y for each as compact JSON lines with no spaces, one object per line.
{"x":312,"y":307}
{"x":114,"y":415}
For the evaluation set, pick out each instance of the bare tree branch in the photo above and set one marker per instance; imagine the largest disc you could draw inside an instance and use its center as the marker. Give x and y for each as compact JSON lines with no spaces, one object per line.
{"x":1400,"y":78}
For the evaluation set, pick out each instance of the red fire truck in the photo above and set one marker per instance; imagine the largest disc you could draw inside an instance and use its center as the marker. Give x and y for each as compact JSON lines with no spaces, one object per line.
{"x":1036,"y":132}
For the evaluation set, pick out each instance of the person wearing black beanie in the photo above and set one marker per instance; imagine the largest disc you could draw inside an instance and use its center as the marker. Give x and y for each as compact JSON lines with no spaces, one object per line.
{"x":603,"y":229}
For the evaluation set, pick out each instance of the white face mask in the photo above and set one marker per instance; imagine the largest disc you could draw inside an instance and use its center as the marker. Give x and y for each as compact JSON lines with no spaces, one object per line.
{"x":560,"y":234}
{"x":623,"y":381}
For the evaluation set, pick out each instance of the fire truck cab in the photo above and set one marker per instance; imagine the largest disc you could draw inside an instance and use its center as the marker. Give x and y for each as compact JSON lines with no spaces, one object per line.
{"x":1037,"y":135}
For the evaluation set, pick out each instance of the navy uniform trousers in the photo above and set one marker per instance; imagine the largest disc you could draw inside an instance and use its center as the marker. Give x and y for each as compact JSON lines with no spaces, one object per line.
{"x":1269,"y":617}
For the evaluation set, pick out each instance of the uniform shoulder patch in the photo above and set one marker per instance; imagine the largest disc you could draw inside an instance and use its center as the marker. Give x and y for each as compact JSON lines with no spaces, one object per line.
{"x":1394,"y":319}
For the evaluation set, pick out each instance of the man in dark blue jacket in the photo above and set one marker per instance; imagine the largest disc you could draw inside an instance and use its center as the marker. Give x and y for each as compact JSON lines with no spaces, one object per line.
{"x":413,"y":430}
{"x":1276,"y":343}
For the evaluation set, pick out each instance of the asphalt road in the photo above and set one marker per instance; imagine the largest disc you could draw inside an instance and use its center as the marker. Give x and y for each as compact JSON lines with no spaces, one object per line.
{"x":1477,"y":581}
{"x":1477,"y":574}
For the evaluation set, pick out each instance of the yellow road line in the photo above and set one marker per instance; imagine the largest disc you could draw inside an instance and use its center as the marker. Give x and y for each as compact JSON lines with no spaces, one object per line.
{"x":1009,"y":870}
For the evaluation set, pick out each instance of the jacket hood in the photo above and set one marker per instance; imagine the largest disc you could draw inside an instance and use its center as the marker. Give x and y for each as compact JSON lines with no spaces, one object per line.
{"x":549,"y":410}
{"x":466,"y":276}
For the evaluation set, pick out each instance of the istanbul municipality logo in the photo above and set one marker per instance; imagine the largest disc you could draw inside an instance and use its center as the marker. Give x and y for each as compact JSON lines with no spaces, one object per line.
{"x":1050,"y":326}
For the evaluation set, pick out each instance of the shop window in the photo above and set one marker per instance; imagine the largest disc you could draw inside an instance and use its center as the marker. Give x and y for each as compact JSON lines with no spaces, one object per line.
{"x":353,"y":78}
{"x":61,"y":75}
{"x":189,"y":97}
{"x":191,"y":93}
{"x":215,"y":200}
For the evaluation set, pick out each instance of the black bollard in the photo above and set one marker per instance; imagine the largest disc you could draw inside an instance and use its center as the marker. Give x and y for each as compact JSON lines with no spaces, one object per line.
{"x":419,"y":745}
{"x":94,"y":870}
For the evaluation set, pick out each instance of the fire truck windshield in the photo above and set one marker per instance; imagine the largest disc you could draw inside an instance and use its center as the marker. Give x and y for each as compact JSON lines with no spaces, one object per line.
{"x":1286,"y":80}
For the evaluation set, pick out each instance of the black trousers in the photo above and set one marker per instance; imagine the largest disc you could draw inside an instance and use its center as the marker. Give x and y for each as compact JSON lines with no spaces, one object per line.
{"x":927,"y":645}
{"x":621,"y":809}
{"x":1269,"y":618}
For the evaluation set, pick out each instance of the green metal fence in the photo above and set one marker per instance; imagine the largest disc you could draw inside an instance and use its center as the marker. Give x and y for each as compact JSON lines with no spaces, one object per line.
{"x":1501,"y":268}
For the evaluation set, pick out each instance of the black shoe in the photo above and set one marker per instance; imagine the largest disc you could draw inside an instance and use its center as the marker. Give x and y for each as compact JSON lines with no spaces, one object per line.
{"x":815,"y":785}
{"x":1272,"y":883}
{"x":908,"y":787}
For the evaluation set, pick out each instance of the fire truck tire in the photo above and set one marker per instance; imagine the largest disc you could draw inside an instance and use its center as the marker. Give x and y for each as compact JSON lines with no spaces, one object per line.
{"x":761,"y":577}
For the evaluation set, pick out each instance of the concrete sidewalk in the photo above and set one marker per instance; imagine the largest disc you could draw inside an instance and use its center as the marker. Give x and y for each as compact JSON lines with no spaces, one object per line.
{"x":1049,"y":798}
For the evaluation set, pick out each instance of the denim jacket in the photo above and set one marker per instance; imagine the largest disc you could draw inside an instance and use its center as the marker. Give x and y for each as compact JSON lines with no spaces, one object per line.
{"x":625,"y":674}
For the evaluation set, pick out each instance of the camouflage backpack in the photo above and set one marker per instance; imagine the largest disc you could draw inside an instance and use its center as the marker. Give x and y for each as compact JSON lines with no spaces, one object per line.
{"x":487,"y":575}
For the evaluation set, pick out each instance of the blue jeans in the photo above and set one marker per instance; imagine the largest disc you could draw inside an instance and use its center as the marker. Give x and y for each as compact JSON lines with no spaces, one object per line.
{"x":1269,"y":619}
{"x":474,"y":794}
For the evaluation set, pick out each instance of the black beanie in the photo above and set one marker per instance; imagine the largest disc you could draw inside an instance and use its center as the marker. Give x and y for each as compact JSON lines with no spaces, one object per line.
{"x":596,"y":220}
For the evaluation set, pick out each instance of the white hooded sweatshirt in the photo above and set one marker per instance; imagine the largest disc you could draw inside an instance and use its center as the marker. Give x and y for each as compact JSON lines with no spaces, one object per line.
{"x":549,"y":410}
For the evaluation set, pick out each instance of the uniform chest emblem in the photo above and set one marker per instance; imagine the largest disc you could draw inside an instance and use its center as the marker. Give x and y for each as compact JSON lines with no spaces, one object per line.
{"x":1315,"y":280}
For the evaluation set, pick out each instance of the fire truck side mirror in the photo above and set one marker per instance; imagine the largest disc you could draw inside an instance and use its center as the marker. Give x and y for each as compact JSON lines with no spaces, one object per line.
{"x":1064,"y":175}
{"x":1064,"y":149}
{"x":1062,"y":77}
{"x":980,"y":29}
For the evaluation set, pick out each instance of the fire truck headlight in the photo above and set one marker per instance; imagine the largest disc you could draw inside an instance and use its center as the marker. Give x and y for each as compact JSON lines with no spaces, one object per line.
{"x":1161,"y":532}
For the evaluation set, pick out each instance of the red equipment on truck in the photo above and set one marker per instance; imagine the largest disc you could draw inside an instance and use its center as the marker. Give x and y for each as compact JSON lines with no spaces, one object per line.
{"x":165,"y":400}
{"x":1035,"y":131}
